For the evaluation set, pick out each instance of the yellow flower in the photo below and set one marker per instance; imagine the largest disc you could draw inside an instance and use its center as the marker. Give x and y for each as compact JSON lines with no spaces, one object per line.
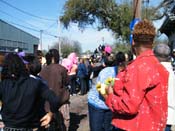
{"x":109,"y":81}
{"x":98,"y":86}
{"x":103,"y":89}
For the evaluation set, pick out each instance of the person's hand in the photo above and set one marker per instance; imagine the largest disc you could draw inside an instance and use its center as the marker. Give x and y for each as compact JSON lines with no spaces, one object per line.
{"x":109,"y":90}
{"x":45,"y":120}
{"x":2,"y":125}
{"x":120,"y":68}
{"x":103,"y":64}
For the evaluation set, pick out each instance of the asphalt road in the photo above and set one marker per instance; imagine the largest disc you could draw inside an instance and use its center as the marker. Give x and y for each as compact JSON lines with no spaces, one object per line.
{"x":79,"y":113}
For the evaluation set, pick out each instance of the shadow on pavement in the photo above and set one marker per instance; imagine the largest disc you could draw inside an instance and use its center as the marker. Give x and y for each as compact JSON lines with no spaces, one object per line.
{"x":75,"y":120}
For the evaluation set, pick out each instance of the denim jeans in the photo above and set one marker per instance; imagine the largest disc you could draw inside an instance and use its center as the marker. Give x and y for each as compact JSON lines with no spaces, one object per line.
{"x":117,"y":129}
{"x":168,"y":128}
{"x":72,"y":79}
{"x":99,"y":119}
{"x":83,"y":85}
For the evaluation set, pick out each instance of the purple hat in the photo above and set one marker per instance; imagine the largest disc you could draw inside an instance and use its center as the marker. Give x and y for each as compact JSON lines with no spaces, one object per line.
{"x":22,"y":55}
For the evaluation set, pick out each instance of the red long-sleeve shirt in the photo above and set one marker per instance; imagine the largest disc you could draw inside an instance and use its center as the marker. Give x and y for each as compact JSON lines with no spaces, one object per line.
{"x":139,"y":101}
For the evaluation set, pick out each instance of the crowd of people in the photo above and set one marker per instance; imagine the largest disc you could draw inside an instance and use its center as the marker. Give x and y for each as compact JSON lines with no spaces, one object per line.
{"x":35,"y":90}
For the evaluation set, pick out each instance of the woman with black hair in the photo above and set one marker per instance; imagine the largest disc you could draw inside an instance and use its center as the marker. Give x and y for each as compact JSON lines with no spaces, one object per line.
{"x":21,"y":95}
{"x":56,"y":77}
{"x":100,"y":115}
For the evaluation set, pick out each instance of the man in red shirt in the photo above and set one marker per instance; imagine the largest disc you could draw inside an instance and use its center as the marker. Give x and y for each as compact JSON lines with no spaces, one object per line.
{"x":138,"y":98}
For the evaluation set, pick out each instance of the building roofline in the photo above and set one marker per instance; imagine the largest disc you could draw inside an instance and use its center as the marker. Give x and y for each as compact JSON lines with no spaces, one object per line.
{"x":18,"y":28}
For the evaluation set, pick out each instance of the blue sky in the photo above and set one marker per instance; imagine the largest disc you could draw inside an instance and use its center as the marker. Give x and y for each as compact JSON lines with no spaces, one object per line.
{"x":90,"y":38}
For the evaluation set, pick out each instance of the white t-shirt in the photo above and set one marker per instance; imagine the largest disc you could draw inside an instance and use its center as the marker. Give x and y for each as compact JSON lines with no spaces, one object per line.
{"x":171,"y":93}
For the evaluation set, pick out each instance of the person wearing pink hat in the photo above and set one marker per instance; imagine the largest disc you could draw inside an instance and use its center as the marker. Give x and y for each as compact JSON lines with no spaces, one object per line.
{"x":67,"y":63}
{"x":73,"y":57}
{"x":106,"y":52}
{"x":73,"y":72}
{"x":108,"y":49}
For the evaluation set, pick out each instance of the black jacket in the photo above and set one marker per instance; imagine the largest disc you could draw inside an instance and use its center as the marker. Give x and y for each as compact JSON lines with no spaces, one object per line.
{"x":21,"y":101}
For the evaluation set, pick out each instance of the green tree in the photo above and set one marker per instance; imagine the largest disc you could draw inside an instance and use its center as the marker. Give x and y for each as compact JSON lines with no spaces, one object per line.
{"x":109,"y":14}
{"x":77,"y":47}
{"x":105,"y":13}
{"x":121,"y":47}
{"x":68,"y":46}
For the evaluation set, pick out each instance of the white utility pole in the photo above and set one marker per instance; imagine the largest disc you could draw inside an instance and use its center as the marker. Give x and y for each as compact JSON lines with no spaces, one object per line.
{"x":41,"y":31}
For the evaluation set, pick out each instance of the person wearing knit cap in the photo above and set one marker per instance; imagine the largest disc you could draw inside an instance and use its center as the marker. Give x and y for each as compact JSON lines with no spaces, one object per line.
{"x":138,"y":98}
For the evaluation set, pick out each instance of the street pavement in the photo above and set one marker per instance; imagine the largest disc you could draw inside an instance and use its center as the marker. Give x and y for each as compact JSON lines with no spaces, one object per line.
{"x":79,"y":113}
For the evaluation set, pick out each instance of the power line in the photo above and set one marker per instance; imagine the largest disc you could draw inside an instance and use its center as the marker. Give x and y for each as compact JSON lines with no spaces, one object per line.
{"x":51,"y":26}
{"x":25,"y":12}
{"x":48,"y":33}
{"x":45,"y":33}
{"x":23,"y":26}
{"x":3,"y":12}
{"x":39,"y":30}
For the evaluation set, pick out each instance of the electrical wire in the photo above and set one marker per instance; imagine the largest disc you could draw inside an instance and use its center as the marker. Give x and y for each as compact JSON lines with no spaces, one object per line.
{"x":52,"y":25}
{"x":3,"y":12}
{"x":32,"y":29}
{"x":48,"y":33}
{"x":23,"y":26}
{"x":25,"y":12}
